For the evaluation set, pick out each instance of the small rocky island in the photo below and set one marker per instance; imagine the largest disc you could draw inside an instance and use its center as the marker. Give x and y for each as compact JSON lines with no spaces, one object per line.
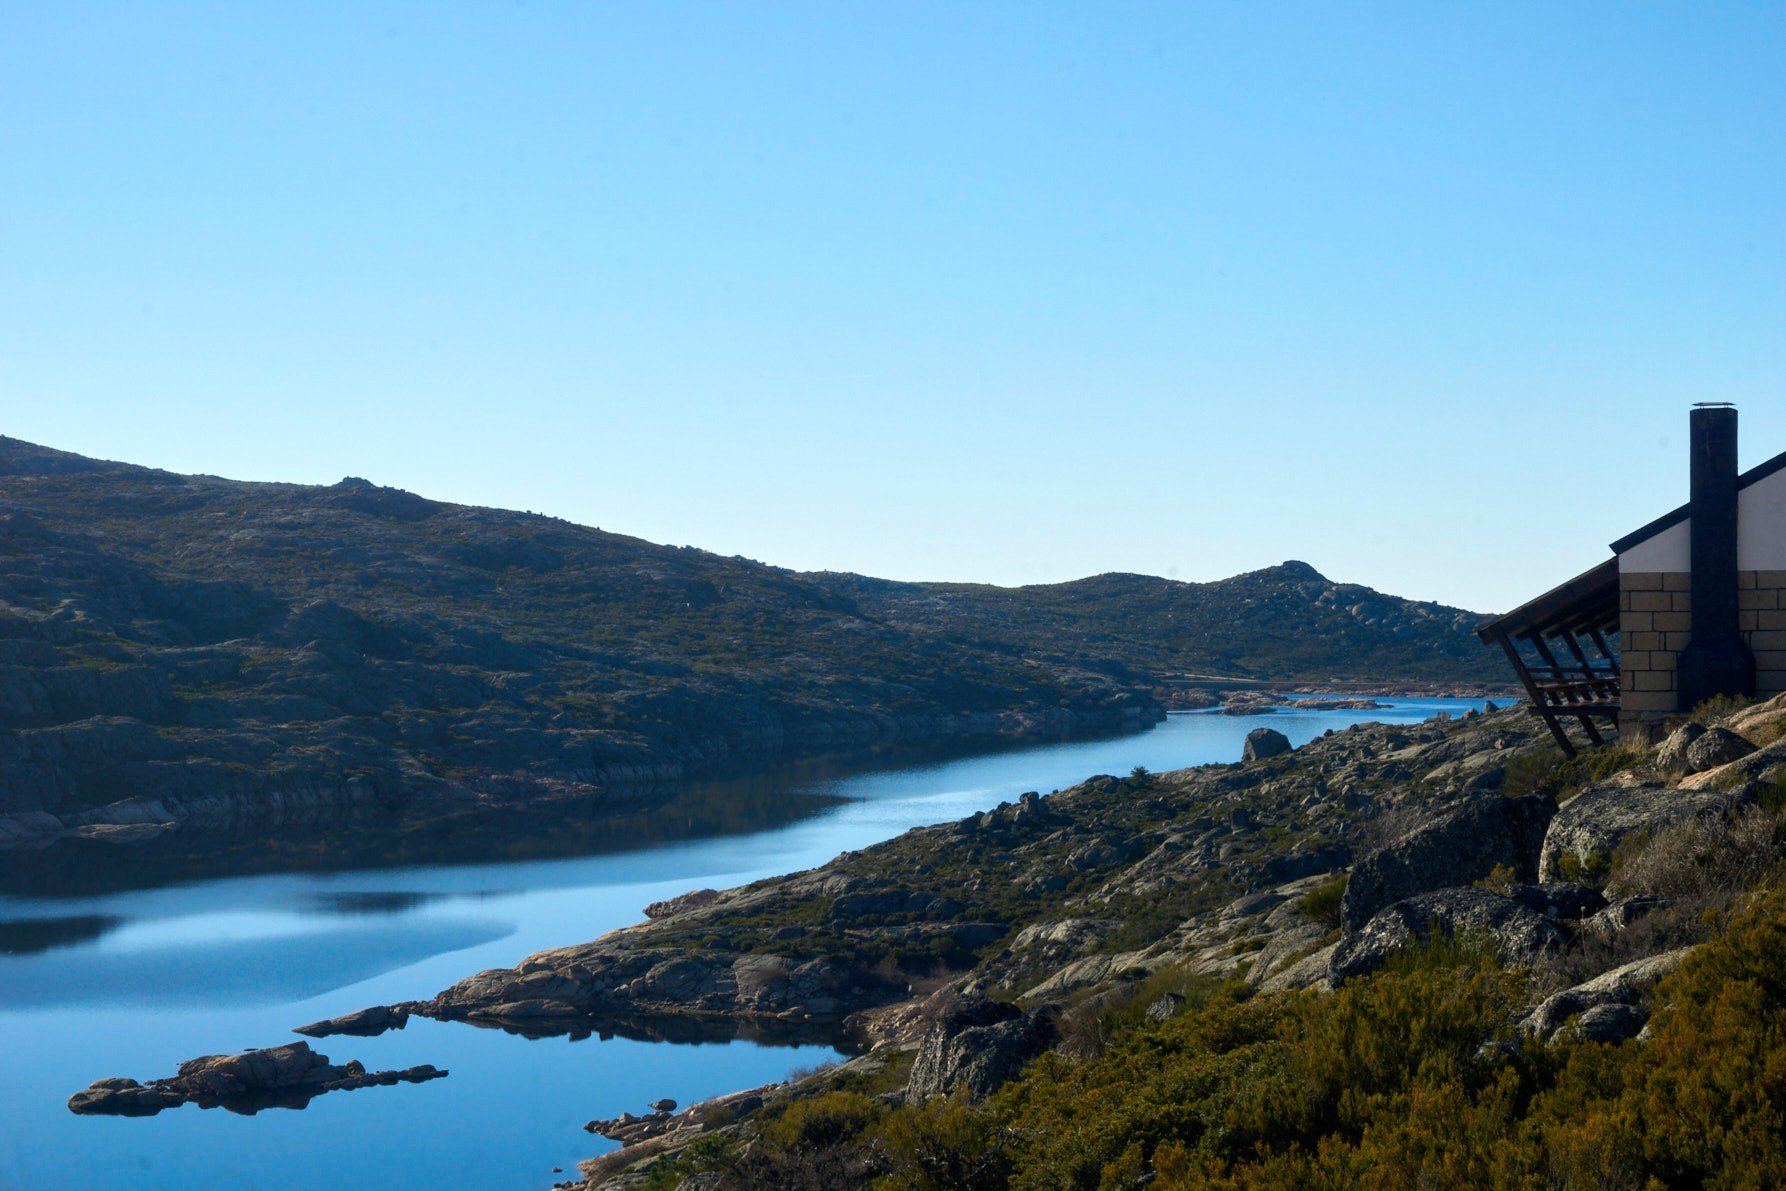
{"x":288,"y":1076}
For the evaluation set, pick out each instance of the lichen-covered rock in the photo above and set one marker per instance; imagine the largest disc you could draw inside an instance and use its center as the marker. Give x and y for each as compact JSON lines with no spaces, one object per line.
{"x":1455,"y":846}
{"x":1585,"y":833}
{"x":694,"y":899}
{"x":1164,"y":1007}
{"x":1264,"y":742}
{"x":1754,"y":765}
{"x":1311,"y":971}
{"x":1518,"y":934}
{"x":1624,"y":986}
{"x":1671,"y":758}
{"x":607,"y":977}
{"x":1621,"y":915}
{"x":1610,"y":1023}
{"x":1715,"y":748}
{"x":1286,"y":946}
{"x":976,"y":1046}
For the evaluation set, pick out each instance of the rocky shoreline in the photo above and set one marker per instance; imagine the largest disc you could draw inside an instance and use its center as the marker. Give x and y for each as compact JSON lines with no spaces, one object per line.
{"x":952,"y":957}
{"x":956,"y":953}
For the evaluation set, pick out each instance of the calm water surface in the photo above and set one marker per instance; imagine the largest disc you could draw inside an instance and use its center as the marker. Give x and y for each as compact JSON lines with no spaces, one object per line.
{"x":134,"y":982}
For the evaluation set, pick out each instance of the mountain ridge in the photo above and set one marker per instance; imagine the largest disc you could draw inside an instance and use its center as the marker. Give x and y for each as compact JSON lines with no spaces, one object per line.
{"x":180,"y":647}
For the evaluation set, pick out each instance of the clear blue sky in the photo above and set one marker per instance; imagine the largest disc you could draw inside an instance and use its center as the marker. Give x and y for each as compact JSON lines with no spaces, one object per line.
{"x":1418,"y":294}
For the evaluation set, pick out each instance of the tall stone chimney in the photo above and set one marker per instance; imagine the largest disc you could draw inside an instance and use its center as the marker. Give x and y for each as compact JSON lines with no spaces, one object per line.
{"x":1716,"y":660}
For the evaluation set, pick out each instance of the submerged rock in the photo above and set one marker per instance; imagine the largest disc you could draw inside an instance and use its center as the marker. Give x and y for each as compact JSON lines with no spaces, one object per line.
{"x":287,"y":1076}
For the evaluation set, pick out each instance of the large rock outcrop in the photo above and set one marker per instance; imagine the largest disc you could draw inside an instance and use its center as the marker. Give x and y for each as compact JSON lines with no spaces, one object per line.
{"x":976,"y":1046}
{"x":1455,"y":846}
{"x":1264,"y":742}
{"x":1518,"y":934}
{"x":599,"y":979}
{"x":1588,"y":829}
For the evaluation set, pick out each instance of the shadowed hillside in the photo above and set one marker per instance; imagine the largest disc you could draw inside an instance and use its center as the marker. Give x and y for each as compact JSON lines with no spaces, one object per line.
{"x":198,"y":648}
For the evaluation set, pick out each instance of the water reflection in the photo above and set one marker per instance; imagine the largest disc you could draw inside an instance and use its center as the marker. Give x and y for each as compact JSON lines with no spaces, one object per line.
{"x":270,"y":969}
{"x":368,"y":902}
{"x":30,"y":936}
{"x":681,"y":1029}
{"x":631,"y":820}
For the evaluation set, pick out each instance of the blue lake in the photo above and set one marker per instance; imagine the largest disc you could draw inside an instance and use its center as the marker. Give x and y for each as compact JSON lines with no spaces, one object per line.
{"x":134,"y":981}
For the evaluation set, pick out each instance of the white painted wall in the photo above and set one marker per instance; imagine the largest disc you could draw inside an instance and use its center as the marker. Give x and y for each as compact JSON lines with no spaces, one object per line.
{"x":1670,"y":550}
{"x":1761,"y":528}
{"x":1760,"y":535}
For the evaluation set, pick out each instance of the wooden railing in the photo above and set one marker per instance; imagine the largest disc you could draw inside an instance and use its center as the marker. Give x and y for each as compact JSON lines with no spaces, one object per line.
{"x":1589,"y":687}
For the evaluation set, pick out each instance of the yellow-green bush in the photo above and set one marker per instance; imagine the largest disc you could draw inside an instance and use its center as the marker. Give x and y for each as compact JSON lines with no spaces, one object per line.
{"x":1406,"y":1078}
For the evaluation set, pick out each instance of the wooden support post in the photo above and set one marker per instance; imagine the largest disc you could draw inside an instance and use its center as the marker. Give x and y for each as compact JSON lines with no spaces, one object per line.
{"x":1539,"y":706}
{"x":1605,"y":650}
{"x":1568,"y":636}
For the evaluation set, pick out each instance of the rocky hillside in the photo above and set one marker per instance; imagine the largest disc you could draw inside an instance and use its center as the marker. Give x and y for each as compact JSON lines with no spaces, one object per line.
{"x":186,"y":648}
{"x":1285,"y":623}
{"x":1261,"y":974}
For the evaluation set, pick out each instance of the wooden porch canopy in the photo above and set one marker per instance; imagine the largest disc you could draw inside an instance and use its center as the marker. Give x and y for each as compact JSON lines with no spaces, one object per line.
{"x":1576,"y":618}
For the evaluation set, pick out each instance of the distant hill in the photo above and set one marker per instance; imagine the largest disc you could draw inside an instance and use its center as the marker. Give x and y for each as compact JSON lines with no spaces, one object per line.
{"x":1286,"y":623}
{"x":199,"y":648}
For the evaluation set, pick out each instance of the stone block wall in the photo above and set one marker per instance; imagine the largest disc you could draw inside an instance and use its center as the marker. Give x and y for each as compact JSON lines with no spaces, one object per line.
{"x":1655,"y":624}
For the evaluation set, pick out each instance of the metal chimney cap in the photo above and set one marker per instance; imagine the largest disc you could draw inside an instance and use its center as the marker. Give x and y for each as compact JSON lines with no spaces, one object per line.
{"x":1714,"y":405}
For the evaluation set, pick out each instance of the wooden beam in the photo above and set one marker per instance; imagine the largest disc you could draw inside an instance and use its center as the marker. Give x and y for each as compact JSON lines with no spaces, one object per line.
{"x":1540,"y":705}
{"x":1605,"y":650}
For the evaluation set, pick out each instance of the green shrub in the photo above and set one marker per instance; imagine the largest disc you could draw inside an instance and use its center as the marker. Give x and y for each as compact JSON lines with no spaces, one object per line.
{"x":1405,"y":1078}
{"x":943,"y":1145}
{"x":1322,"y":903}
{"x":1720,"y":707}
{"x":821,"y":1121}
{"x":1589,"y":871}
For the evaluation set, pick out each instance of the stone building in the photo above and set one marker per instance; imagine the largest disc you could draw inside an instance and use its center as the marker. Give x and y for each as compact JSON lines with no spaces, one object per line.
{"x":1690,"y":606}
